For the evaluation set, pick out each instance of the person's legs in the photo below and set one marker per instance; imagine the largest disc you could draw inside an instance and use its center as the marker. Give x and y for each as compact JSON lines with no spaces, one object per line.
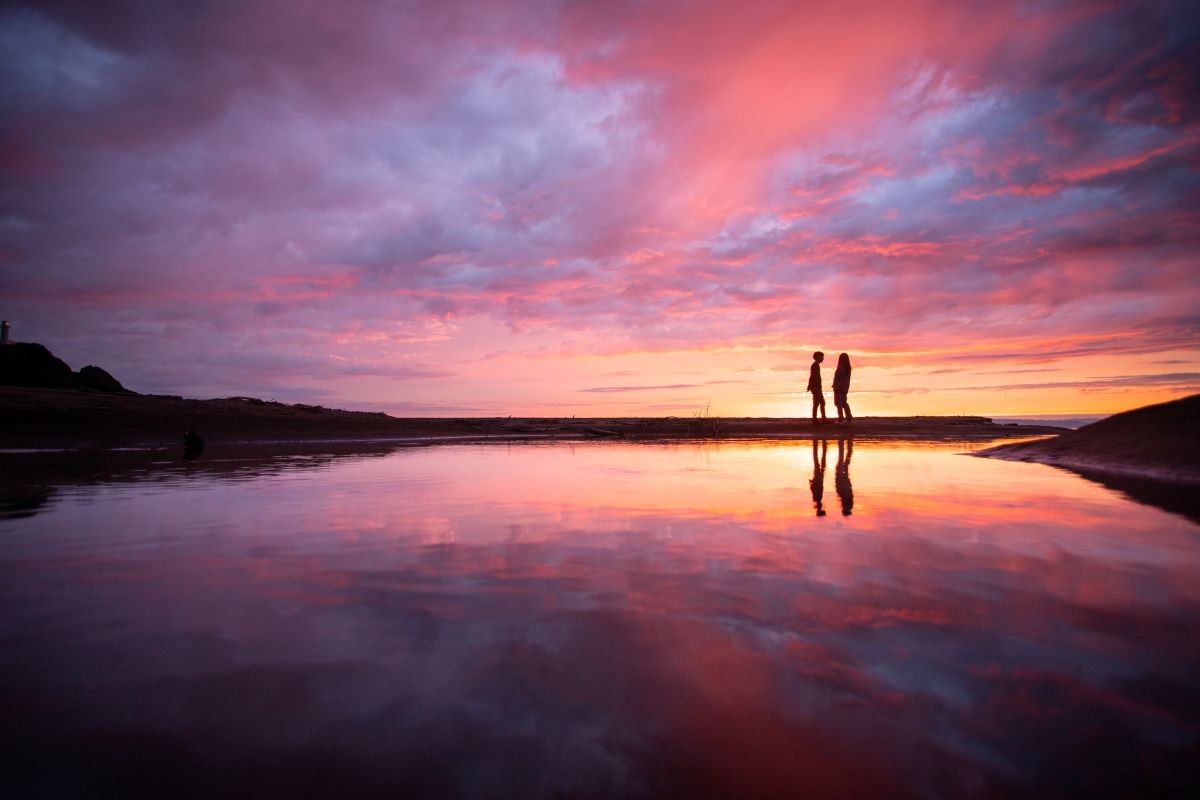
{"x":843,"y":407}
{"x":819,"y":401}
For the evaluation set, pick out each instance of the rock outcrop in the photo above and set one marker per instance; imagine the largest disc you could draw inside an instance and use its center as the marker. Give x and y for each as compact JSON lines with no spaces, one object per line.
{"x":92,"y":377}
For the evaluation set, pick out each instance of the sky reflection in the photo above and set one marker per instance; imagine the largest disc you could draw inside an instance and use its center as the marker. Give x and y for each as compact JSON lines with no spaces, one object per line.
{"x":605,"y":620}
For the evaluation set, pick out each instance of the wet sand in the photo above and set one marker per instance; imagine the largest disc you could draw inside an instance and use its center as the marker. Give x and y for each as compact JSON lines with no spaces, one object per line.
{"x":53,"y":418}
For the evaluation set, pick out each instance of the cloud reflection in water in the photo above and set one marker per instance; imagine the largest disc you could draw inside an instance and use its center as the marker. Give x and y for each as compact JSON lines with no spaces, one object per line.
{"x":604,"y":620}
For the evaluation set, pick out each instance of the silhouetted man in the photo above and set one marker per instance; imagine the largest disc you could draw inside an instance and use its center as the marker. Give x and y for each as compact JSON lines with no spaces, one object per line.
{"x":814,"y":386}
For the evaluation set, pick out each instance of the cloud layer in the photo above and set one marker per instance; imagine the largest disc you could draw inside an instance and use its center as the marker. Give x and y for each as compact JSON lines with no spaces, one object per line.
{"x":490,"y":206}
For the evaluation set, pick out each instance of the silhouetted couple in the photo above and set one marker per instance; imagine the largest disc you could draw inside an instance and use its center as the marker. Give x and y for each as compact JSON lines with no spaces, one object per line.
{"x":841,"y":387}
{"x":841,"y":480}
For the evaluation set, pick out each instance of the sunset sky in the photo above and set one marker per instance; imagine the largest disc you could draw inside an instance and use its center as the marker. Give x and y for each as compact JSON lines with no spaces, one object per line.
{"x":609,"y":207}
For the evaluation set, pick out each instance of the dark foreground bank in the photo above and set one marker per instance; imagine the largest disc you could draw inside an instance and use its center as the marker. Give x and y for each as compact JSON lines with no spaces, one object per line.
{"x":1159,"y":442}
{"x":39,"y":418}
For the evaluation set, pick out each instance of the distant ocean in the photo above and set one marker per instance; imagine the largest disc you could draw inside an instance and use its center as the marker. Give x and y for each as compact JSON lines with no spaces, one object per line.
{"x":1057,"y":420}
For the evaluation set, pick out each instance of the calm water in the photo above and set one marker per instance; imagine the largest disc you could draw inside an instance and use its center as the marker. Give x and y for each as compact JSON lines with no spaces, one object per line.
{"x":599,"y":620}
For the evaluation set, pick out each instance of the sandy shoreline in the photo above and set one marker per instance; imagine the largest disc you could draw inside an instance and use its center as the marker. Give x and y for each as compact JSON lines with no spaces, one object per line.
{"x":51,"y":438}
{"x":55,"y":418}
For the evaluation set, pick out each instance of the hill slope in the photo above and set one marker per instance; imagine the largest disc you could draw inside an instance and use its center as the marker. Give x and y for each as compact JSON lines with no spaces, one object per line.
{"x":1160,"y":441}
{"x":31,"y":365}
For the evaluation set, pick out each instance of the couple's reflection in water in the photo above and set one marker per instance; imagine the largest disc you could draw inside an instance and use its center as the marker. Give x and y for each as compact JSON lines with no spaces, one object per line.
{"x":841,"y":480}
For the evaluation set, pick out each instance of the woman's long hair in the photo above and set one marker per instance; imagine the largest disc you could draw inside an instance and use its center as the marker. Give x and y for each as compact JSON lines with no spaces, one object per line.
{"x":843,"y":364}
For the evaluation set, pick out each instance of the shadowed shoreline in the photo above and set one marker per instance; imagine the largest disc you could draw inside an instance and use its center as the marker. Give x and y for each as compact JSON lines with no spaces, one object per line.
{"x":58,"y":418}
{"x":1159,"y":443}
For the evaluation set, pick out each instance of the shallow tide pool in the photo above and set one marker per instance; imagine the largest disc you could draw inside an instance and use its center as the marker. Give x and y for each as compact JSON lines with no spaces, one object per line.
{"x":756,"y":619}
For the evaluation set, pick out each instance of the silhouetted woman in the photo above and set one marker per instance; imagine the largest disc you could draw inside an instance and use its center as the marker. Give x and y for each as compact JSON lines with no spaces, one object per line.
{"x":841,"y":387}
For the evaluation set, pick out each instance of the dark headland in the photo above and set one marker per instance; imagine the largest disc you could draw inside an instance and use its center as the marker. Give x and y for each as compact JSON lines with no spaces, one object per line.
{"x":1159,"y":442}
{"x":43,"y":404}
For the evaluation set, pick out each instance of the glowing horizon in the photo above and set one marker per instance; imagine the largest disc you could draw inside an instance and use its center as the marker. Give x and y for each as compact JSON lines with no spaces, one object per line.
{"x":610,"y":208}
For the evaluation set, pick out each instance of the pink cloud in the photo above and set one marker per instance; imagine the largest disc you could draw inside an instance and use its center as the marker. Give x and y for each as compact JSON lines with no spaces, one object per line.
{"x":374,"y":183}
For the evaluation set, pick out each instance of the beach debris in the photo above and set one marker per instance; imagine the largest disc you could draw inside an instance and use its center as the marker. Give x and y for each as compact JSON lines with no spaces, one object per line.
{"x":600,"y":432}
{"x":193,"y":445}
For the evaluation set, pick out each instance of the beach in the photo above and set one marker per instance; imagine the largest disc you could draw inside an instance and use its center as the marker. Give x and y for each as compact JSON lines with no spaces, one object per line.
{"x":65,"y":418}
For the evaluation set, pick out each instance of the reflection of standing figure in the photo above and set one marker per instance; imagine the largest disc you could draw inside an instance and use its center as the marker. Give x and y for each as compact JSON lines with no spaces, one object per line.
{"x":817,"y":484}
{"x":841,"y":477}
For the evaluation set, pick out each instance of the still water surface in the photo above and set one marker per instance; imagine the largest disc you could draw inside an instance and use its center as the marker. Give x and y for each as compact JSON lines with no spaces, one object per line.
{"x":600,"y":620}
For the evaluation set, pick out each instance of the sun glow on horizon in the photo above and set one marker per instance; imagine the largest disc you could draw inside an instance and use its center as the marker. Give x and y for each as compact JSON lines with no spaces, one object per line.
{"x":611,"y":208}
